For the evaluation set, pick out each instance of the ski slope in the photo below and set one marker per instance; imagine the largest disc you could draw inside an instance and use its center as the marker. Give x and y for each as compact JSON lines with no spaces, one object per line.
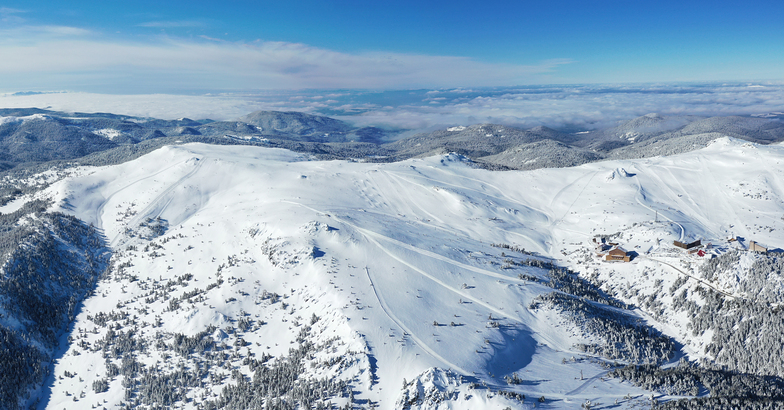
{"x":395,"y":260}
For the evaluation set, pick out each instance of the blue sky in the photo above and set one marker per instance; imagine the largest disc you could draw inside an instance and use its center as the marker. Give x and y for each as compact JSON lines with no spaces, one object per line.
{"x":199,"y":47}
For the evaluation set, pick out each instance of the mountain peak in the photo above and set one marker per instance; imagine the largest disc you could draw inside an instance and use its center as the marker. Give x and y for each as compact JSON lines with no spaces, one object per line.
{"x":294,"y":122}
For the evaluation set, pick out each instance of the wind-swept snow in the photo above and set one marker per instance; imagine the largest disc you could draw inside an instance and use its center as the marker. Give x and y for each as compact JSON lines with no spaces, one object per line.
{"x":396,"y":262}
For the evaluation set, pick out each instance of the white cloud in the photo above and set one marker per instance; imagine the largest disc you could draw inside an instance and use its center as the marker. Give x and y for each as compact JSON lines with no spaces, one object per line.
{"x":66,"y":58}
{"x":63,"y":31}
{"x":172,"y":24}
{"x":585,"y":107}
{"x":11,"y":16}
{"x":141,"y":105}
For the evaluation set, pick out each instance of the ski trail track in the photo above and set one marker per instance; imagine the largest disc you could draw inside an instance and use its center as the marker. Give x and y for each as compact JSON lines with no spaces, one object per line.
{"x":396,"y":180}
{"x":423,"y":252}
{"x":500,"y":191}
{"x":538,"y":245}
{"x":583,"y":386}
{"x":384,"y":198}
{"x":423,"y":223}
{"x":422,"y":345}
{"x":368,"y":192}
{"x":577,"y":198}
{"x":501,"y":313}
{"x":436,"y":256}
{"x":699,"y":213}
{"x":774,"y":181}
{"x":155,"y":202}
{"x":99,"y":210}
{"x":640,"y":194}
{"x":371,"y":236}
{"x":687,"y":200}
{"x":694,"y":277}
{"x":678,"y":201}
{"x":720,"y":199}
{"x":546,"y":215}
{"x":569,"y":186}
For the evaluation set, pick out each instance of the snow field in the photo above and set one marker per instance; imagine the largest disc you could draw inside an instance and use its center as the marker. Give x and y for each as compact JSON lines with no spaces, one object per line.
{"x":396,"y":262}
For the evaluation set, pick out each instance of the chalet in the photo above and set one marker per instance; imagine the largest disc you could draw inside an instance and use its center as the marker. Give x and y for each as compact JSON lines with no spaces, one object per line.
{"x":755,"y":247}
{"x":618,"y":254}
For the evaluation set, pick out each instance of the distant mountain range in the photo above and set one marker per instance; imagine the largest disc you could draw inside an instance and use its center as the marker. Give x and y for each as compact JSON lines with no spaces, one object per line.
{"x":36,"y":135}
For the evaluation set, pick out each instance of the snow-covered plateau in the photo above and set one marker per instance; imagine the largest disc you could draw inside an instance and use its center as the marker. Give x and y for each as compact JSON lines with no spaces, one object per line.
{"x":243,"y":277}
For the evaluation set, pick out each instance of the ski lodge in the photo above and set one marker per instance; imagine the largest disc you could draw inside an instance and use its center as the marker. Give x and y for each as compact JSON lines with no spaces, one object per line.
{"x":618,"y":254}
{"x":755,"y":247}
{"x":690,"y":245}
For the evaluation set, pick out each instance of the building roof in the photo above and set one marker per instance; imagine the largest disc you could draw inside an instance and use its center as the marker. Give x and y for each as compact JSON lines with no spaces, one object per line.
{"x":617,"y":251}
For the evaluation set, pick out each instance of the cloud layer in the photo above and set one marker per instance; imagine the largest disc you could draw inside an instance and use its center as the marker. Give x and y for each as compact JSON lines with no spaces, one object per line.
{"x":574,"y":107}
{"x":61,"y":57}
{"x":579,"y":107}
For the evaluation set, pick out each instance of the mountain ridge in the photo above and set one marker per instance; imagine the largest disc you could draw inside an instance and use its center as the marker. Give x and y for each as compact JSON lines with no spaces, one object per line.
{"x":348,"y":278}
{"x":75,"y":135}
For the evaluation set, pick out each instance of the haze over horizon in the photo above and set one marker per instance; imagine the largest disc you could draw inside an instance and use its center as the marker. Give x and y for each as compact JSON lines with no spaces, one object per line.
{"x":571,"y":108}
{"x":206,"y":47}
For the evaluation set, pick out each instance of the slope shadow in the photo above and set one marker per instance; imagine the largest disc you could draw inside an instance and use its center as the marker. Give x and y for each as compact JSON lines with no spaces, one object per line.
{"x":514,"y":352}
{"x":317,"y":253}
{"x":42,"y":401}
{"x":45,"y":391}
{"x":632,"y":255}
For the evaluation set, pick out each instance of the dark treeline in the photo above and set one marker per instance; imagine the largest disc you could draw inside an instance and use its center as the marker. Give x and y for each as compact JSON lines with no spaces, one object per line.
{"x":726,"y":389}
{"x":52,"y":262}
{"x":622,"y":336}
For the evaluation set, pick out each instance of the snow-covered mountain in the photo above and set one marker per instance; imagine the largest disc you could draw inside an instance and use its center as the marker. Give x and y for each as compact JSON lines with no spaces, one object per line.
{"x":245,"y":277}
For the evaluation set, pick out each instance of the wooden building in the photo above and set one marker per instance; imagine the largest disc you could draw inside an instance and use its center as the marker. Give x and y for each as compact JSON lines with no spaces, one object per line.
{"x":618,"y":254}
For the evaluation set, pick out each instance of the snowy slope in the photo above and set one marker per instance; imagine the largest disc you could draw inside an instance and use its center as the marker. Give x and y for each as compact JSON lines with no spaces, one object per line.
{"x":394,"y":260}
